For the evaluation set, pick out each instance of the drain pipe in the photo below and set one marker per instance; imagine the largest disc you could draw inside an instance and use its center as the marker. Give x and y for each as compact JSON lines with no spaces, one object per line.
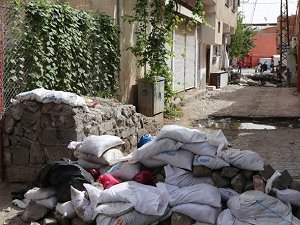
{"x":1,"y":97}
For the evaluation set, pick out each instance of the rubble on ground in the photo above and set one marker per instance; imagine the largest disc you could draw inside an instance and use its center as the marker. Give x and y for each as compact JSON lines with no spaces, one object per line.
{"x":181,"y":176}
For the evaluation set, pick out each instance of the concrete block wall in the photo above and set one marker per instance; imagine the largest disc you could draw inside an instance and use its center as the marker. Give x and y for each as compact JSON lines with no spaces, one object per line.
{"x":35,"y":134}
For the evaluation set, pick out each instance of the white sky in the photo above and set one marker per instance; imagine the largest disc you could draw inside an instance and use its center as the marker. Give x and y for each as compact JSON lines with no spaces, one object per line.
{"x":266,"y":10}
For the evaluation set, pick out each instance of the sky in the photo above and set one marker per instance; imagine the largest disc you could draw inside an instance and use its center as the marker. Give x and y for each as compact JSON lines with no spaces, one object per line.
{"x":266,"y":11}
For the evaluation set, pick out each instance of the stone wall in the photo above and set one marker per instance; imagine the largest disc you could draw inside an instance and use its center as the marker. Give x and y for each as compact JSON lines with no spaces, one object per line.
{"x":35,"y":134}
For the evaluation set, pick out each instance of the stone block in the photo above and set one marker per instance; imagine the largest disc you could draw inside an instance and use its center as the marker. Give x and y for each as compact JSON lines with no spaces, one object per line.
{"x":32,"y":106}
{"x":284,"y":181}
{"x":78,"y":221}
{"x":18,"y":131}
{"x":34,"y":212}
{"x":238,"y":183}
{"x":50,"y":221}
{"x":49,"y":137}
{"x":22,"y":174}
{"x":14,"y":140}
{"x":65,"y":136}
{"x":56,"y":153}
{"x":202,"y":171}
{"x":31,"y":134}
{"x":219,"y":181}
{"x":7,"y":157}
{"x":24,"y":142}
{"x":249,"y":186}
{"x":17,"y":111}
{"x":229,"y":172}
{"x":107,"y":114}
{"x":63,"y":121}
{"x":46,"y":121}
{"x":295,"y":185}
{"x":180,"y":219}
{"x":37,"y":155}
{"x":117,"y":112}
{"x":61,"y":219}
{"x":106,"y":126}
{"x":5,"y":140}
{"x":20,"y":156}
{"x":247,"y":174}
{"x":29,"y":118}
{"x":9,"y":124}
{"x":267,"y":172}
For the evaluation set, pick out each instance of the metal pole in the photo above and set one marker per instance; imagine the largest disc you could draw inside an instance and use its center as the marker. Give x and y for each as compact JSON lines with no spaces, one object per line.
{"x":298,"y":63}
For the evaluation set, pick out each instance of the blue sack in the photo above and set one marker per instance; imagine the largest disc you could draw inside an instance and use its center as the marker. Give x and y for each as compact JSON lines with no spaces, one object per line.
{"x":145,"y":139}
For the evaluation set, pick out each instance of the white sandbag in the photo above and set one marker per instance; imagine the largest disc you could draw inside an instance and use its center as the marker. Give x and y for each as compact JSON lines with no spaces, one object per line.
{"x":289,"y":196}
{"x":153,"y":148}
{"x":114,"y":209}
{"x":66,"y":209}
{"x":146,"y":199}
{"x":271,"y":180}
{"x":49,"y":203}
{"x":125,"y":170}
{"x":217,"y":138}
{"x":47,"y":96}
{"x":205,"y":194}
{"x":131,"y":218}
{"x":21,"y":203}
{"x":82,"y":205}
{"x":227,"y":193}
{"x":153,"y":163}
{"x":88,"y":165}
{"x":245,"y":159}
{"x":182,"y":178}
{"x":181,"y":134}
{"x":226,"y":218}
{"x":256,"y":207}
{"x":212,"y":162}
{"x":109,"y":157}
{"x":96,"y":145}
{"x":180,"y":158}
{"x":39,"y":193}
{"x":198,"y":212}
{"x":201,"y":148}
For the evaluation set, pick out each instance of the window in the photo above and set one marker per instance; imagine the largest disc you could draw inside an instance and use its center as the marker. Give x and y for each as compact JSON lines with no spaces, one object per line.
{"x":234,"y":5}
{"x":217,"y":50}
{"x":219,"y":27}
{"x":227,"y":3}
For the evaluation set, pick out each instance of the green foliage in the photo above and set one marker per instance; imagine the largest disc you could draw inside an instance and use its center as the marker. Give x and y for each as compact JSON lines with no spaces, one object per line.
{"x":156,"y":21}
{"x":66,"y":49}
{"x":242,"y":41}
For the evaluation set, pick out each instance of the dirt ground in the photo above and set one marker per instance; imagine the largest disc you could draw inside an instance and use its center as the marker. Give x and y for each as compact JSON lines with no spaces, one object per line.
{"x":280,"y":146}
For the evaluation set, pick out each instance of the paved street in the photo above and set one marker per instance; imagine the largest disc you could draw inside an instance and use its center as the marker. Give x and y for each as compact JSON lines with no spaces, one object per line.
{"x":280,"y":146}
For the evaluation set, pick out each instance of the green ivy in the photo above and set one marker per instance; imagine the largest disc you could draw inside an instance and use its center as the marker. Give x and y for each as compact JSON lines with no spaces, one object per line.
{"x":153,"y":48}
{"x":66,"y":49}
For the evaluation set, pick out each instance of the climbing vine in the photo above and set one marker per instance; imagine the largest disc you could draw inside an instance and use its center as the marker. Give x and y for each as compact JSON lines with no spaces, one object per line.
{"x":156,"y":21}
{"x":66,"y":49}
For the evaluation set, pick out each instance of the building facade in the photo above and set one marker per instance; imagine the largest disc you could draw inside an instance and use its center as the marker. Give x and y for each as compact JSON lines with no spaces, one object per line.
{"x":197,"y":52}
{"x":265,"y":46}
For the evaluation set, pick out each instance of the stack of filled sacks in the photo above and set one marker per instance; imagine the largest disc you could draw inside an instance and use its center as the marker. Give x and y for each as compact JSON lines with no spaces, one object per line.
{"x":186,"y":171}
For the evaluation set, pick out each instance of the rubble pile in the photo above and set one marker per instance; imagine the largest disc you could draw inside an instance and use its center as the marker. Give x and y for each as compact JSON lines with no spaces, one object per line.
{"x":181,"y":176}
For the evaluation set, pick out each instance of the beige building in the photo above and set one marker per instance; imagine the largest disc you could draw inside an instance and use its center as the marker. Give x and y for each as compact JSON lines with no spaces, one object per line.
{"x":197,"y":52}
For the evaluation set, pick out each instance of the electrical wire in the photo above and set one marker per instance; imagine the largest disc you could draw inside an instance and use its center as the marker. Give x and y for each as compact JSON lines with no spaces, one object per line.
{"x":253,"y":12}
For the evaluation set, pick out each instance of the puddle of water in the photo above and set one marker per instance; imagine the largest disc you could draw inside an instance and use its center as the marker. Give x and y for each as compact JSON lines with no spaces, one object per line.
{"x":228,"y":123}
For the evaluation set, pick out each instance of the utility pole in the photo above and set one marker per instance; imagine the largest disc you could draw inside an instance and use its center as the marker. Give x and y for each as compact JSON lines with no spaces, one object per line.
{"x":284,"y":34}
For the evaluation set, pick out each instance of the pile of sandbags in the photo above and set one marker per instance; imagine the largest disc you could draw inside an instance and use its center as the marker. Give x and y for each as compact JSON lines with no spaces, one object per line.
{"x":182,"y":171}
